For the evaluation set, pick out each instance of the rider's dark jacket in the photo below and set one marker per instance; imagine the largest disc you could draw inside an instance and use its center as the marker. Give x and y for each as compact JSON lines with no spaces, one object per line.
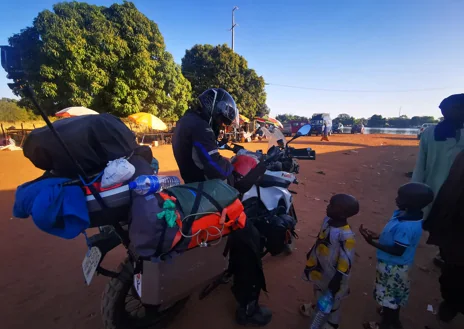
{"x":196,"y":152}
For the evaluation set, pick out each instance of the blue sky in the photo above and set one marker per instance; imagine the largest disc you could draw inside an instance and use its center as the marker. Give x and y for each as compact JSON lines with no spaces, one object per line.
{"x":374,"y":46}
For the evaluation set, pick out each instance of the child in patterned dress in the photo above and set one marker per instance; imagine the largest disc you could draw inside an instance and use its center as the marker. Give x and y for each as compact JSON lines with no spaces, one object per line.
{"x":329,"y":261}
{"x":396,"y":248}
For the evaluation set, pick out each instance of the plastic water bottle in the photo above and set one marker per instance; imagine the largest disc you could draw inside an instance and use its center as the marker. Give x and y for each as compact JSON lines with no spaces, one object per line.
{"x":149,"y":184}
{"x":322,"y":311}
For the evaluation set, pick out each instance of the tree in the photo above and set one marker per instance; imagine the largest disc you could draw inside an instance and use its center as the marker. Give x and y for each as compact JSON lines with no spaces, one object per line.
{"x":420,"y":120}
{"x":109,"y":59}
{"x":360,"y":121}
{"x":377,"y":121}
{"x":399,"y":122}
{"x":344,"y":119}
{"x":11,"y":112}
{"x":206,"y":66}
{"x":291,"y":117}
{"x":263,"y":110}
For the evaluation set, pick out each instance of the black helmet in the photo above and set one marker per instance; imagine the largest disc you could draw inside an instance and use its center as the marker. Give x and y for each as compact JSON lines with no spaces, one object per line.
{"x":218,"y":107}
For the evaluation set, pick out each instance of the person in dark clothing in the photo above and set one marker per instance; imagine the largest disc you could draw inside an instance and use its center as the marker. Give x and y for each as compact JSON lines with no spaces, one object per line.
{"x":196,"y":152}
{"x":446,"y":226}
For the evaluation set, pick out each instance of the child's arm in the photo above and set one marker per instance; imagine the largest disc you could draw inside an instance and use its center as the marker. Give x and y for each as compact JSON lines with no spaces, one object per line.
{"x":397,"y":249}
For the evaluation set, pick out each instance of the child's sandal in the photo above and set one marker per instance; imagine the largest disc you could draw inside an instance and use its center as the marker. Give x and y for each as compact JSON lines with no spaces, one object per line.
{"x":307,"y":310}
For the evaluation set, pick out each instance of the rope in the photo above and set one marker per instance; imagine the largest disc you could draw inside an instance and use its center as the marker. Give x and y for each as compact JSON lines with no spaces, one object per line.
{"x":208,"y":234}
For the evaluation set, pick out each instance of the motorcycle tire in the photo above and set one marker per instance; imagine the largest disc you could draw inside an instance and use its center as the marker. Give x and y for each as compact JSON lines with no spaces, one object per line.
{"x":119,"y":313}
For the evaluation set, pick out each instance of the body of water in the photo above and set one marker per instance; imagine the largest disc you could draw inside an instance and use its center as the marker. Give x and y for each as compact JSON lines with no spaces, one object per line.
{"x":394,"y":131}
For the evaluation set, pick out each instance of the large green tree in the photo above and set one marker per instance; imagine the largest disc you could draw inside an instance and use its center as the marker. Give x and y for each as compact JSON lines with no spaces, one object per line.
{"x":111,"y":59}
{"x":206,"y":66}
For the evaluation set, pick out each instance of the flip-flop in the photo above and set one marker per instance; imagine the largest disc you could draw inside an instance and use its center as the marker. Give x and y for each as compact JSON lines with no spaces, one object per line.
{"x":307,"y":310}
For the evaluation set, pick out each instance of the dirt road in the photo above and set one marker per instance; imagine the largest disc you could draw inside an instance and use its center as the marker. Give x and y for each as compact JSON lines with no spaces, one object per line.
{"x":41,"y":285}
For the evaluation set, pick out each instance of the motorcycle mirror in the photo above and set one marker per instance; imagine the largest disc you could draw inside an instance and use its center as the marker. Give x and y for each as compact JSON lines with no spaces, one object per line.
{"x":304,"y":130}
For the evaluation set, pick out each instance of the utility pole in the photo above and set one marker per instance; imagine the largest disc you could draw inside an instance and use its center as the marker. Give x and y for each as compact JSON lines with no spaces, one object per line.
{"x":233,"y":27}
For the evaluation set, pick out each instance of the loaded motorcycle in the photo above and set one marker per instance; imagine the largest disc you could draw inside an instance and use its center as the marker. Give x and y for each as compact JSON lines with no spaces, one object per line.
{"x":143,"y":292}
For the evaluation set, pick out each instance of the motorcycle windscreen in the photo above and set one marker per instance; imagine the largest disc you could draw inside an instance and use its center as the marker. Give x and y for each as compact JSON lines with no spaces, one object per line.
{"x":273,"y":137}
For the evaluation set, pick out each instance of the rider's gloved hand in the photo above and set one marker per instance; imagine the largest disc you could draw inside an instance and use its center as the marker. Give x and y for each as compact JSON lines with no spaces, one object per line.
{"x":223,"y":141}
{"x":236,"y":148}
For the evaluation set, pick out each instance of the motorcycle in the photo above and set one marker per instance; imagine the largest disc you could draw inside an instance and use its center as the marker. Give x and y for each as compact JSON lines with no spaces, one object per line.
{"x":127,"y":303}
{"x":269,"y":200}
{"x":143,"y":292}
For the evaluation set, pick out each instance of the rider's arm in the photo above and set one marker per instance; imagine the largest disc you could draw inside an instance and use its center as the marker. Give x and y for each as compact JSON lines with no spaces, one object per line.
{"x":206,"y":154}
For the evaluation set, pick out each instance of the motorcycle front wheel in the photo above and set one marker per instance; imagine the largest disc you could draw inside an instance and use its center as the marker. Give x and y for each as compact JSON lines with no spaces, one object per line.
{"x":121,"y":308}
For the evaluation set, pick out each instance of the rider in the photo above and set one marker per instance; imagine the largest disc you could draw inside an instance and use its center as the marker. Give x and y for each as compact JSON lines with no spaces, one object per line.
{"x":196,"y":152}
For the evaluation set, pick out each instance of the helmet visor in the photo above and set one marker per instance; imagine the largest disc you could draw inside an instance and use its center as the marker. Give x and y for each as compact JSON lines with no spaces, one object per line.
{"x":228,"y":113}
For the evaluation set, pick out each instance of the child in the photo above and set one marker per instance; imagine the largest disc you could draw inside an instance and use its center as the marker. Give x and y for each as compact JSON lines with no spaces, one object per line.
{"x":397,"y":246}
{"x":329,"y":261}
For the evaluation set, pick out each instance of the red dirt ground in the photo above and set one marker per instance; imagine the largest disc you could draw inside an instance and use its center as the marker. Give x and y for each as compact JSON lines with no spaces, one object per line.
{"x":41,"y":285}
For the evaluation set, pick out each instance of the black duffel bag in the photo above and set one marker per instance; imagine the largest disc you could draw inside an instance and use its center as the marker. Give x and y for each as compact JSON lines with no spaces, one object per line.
{"x":93,"y":140}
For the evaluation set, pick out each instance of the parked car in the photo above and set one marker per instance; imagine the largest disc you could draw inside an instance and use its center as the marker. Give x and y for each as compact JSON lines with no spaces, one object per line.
{"x":317,"y":123}
{"x":291,"y":127}
{"x":423,"y":127}
{"x":287,"y":131}
{"x":357,"y":129}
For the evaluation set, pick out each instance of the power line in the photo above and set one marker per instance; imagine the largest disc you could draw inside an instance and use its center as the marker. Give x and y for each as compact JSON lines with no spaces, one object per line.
{"x":358,"y":90}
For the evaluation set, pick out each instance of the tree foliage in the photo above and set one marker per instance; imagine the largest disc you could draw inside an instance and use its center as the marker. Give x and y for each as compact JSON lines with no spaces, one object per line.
{"x":11,"y":112}
{"x":399,"y":122}
{"x":420,"y":120}
{"x":206,"y":66}
{"x":344,"y":119}
{"x":361,"y":121}
{"x":111,"y":59}
{"x":263,"y":110}
{"x":291,"y":117}
{"x":377,"y":121}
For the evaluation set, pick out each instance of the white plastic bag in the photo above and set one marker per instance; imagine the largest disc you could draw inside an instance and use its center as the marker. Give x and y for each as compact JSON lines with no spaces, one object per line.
{"x":117,"y":171}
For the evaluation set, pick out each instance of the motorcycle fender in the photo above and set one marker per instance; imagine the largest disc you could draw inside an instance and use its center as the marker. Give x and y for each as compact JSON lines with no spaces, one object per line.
{"x":251,"y":193}
{"x":281,"y":174}
{"x":270,"y":196}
